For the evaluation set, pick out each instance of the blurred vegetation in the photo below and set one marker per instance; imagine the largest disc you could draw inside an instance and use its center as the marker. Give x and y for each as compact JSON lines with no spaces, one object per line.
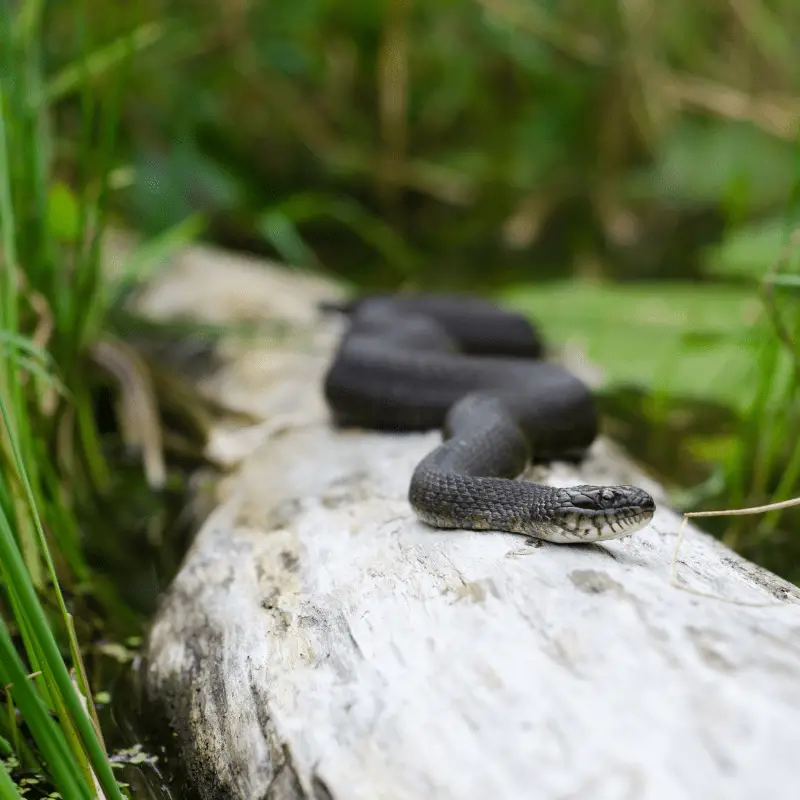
{"x":468,"y":143}
{"x":65,"y":481}
{"x":627,"y":173}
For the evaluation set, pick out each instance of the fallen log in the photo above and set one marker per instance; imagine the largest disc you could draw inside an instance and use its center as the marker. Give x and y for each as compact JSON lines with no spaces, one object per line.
{"x":320,"y":642}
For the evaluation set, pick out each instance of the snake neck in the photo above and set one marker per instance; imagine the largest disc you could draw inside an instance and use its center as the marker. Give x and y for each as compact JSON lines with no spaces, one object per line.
{"x":451,"y":500}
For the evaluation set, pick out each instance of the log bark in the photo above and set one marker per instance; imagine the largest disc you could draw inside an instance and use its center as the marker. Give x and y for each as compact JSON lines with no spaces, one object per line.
{"x":319,"y":642}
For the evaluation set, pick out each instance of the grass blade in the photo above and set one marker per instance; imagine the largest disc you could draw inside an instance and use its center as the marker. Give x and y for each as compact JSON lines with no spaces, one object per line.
{"x":48,"y":736}
{"x":102,"y":60}
{"x":8,"y":790}
{"x":45,"y":641}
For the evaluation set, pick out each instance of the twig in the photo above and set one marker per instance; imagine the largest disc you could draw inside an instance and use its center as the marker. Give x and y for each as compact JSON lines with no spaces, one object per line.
{"x":393,"y":89}
{"x":139,"y":418}
{"x":733,"y":512}
{"x":538,"y":23}
{"x":778,"y":116}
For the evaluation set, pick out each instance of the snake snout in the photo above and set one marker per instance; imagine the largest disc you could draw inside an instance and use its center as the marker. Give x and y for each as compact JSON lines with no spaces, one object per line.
{"x":594,"y":513}
{"x":609,"y":498}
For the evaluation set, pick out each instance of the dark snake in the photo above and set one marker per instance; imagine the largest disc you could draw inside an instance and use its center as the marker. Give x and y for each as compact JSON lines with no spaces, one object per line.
{"x":476,"y":371}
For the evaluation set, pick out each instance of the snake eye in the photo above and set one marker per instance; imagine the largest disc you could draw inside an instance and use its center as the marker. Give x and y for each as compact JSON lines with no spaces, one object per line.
{"x":584,"y":501}
{"x":608,"y":495}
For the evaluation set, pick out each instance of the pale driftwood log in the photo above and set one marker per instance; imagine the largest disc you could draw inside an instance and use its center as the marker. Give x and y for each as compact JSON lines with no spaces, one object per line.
{"x":320,"y":643}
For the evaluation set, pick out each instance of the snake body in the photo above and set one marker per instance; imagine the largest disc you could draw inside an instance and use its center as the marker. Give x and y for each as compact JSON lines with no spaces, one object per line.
{"x":475,"y":370}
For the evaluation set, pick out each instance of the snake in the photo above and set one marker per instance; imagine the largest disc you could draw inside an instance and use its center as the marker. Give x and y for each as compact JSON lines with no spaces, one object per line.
{"x":479,"y":373}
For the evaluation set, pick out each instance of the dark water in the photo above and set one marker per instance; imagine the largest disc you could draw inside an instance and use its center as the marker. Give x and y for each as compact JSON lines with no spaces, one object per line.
{"x":149,"y":770}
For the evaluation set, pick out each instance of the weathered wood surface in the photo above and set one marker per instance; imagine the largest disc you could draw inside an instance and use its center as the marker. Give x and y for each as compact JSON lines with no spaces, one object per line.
{"x":321,"y":643}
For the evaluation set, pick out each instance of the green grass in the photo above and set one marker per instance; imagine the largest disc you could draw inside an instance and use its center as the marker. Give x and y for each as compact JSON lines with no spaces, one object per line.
{"x":53,"y":307}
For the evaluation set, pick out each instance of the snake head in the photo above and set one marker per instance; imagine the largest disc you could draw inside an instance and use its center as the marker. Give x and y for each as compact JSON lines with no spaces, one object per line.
{"x":596,"y":513}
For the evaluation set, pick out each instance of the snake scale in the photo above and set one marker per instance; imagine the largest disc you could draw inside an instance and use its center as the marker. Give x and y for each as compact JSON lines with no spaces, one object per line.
{"x":476,"y":371}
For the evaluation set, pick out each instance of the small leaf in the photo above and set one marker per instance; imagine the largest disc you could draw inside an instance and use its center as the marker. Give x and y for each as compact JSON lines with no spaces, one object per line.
{"x":283,"y":235}
{"x":116,"y":651}
{"x":154,"y":253}
{"x":786,"y":281}
{"x":63,"y":214}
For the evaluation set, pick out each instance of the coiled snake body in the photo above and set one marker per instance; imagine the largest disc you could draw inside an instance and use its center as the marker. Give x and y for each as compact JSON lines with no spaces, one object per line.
{"x":474,"y":370}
